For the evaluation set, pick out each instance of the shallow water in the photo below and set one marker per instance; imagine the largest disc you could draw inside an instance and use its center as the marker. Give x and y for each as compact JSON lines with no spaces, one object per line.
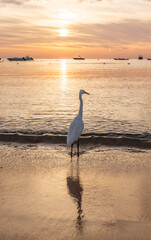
{"x":105,"y":194}
{"x":42,"y":96}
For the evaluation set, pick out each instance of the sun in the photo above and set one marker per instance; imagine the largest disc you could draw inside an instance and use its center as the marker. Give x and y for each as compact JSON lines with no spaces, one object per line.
{"x":63,"y":32}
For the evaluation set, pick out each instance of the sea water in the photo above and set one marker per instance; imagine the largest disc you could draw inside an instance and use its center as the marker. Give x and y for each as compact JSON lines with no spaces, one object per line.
{"x":42,"y":97}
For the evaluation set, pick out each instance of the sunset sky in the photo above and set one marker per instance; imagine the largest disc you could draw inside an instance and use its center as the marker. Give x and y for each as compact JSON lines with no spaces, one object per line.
{"x":68,"y":28}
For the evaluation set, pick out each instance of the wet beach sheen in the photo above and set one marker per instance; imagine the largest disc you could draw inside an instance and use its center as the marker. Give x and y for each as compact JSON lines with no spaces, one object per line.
{"x":105,"y":194}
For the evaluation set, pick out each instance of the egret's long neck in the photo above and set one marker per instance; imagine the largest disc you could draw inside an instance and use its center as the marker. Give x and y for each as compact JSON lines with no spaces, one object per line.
{"x":81,"y":105}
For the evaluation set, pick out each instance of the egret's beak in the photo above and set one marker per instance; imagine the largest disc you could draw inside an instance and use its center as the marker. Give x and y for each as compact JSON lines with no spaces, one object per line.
{"x":87,"y":93}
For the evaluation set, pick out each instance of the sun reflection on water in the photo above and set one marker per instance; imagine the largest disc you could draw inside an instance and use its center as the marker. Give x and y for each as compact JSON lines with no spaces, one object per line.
{"x":63,"y":74}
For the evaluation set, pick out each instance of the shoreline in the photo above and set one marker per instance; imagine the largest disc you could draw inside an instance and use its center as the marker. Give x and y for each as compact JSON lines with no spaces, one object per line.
{"x":84,"y":140}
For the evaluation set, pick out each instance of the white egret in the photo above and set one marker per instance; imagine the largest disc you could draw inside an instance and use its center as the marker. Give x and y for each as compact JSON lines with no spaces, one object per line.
{"x":77,"y":125}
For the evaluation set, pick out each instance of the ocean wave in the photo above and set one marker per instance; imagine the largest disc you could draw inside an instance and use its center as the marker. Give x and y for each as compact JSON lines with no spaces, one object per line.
{"x":110,"y":139}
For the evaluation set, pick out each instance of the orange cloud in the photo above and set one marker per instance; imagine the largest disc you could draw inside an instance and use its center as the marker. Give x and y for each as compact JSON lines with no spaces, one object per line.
{"x":103,"y":29}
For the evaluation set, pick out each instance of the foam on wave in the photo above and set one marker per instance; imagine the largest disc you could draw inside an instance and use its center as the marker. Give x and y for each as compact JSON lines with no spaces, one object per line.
{"x":117,"y":140}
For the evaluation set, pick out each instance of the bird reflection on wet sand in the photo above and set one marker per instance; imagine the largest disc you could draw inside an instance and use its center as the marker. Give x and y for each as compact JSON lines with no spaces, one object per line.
{"x":75,"y":190}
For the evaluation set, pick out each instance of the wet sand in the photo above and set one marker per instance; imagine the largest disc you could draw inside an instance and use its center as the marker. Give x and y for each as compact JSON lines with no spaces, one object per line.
{"x":105,"y":194}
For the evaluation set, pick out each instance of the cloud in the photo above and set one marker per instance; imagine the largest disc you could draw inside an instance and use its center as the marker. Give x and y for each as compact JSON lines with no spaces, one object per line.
{"x":125,"y":32}
{"x":90,"y":0}
{"x":106,"y":35}
{"x":21,"y":2}
{"x":17,"y":38}
{"x":15,"y":2}
{"x":146,"y":1}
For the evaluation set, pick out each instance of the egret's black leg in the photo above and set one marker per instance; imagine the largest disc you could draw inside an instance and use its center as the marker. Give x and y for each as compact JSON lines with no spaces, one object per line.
{"x":71,"y":150}
{"x":78,"y":147}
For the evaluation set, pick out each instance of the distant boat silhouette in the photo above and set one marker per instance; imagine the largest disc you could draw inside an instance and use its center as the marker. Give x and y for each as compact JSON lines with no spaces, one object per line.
{"x":140,"y":57}
{"x":121,"y":58}
{"x":79,"y":58}
{"x":28,"y":58}
{"x":20,"y":59}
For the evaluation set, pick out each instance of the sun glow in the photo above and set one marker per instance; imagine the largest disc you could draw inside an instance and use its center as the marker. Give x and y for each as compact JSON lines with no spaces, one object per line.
{"x":63,"y":32}
{"x":67,"y":16}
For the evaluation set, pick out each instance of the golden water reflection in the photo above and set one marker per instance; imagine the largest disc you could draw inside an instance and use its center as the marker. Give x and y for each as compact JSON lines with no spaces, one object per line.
{"x":63,"y":74}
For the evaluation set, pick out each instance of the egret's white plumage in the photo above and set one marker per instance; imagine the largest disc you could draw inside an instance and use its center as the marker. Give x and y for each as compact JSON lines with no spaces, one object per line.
{"x":77,"y":125}
{"x":75,"y":130}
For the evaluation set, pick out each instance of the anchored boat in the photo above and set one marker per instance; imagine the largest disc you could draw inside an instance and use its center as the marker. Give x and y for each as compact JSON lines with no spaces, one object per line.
{"x":20,"y":59}
{"x":121,"y":58}
{"x":79,"y":58}
{"x":140,"y":57}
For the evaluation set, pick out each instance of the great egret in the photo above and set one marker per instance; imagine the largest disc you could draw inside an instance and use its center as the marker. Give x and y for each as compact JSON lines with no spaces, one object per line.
{"x":77,"y":125}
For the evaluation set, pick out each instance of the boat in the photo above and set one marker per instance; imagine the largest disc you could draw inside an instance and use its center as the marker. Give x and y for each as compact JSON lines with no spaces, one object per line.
{"x":28,"y":58}
{"x":140,"y":57}
{"x":121,"y":58}
{"x":79,"y":58}
{"x":148,"y":58}
{"x":16,"y":59}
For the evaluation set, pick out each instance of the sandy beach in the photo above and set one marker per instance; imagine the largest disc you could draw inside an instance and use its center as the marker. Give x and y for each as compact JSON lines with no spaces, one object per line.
{"x":105,"y":194}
